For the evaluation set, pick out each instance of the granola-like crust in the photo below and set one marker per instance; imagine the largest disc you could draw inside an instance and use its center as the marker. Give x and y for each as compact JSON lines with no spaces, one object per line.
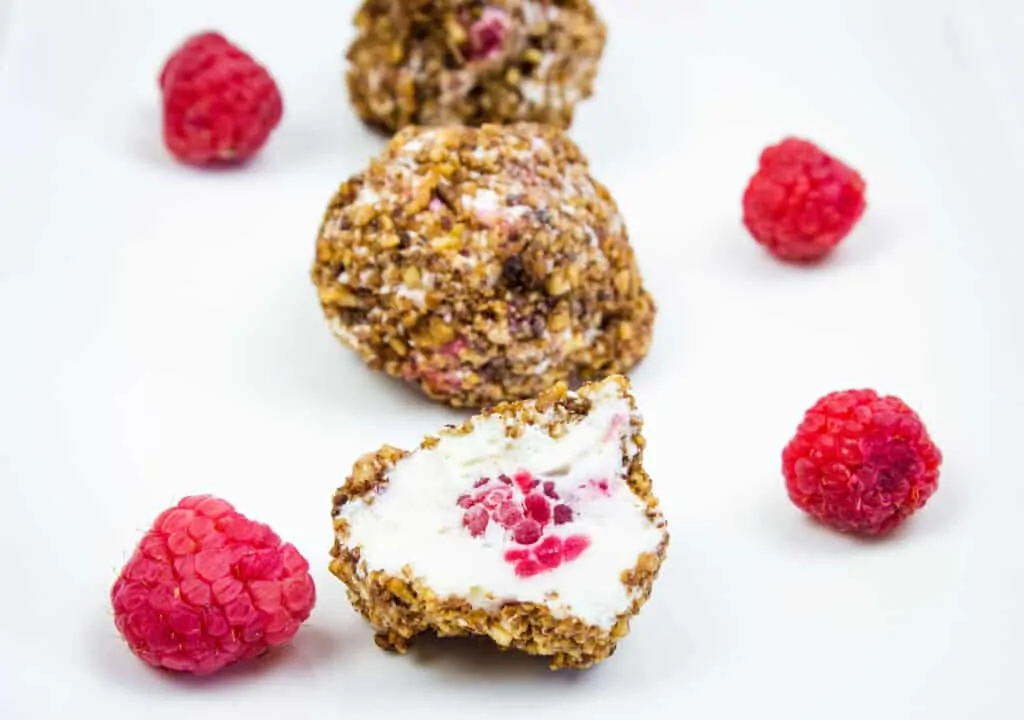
{"x":483,"y":264}
{"x":412,"y":62}
{"x":401,"y":607}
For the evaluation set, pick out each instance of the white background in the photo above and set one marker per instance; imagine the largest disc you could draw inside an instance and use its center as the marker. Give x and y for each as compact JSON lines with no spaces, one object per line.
{"x":161,"y":337}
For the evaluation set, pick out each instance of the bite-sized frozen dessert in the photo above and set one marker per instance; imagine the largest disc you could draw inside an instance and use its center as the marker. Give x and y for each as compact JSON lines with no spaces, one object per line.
{"x":441,"y":62}
{"x":483,"y":264}
{"x":533,"y":523}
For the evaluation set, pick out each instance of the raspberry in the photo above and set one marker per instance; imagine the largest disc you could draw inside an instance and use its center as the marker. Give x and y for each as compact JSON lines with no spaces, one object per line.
{"x":453,"y":349}
{"x":549,"y":553}
{"x":219,"y":104}
{"x":549,"y":490}
{"x":439,"y":381}
{"x":528,"y":568}
{"x":526,"y":482}
{"x":516,"y":554}
{"x":527,"y":532}
{"x":801,"y":202}
{"x":475,"y":520}
{"x":487,"y":35}
{"x":493,"y":499}
{"x":860,"y":462}
{"x":563,"y":514}
{"x":206,"y":587}
{"x":508,"y":515}
{"x":538,"y":508}
{"x":573,"y":546}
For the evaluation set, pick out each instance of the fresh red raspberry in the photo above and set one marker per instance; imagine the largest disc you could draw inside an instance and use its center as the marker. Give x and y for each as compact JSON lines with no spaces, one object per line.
{"x":206,"y":587}
{"x":802,"y":202}
{"x":219,"y":104}
{"x":860,"y":462}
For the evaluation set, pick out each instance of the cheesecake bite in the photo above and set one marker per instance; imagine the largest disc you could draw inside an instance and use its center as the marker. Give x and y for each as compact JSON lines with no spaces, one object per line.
{"x":483,"y":265}
{"x":533,"y":524}
{"x":467,"y":62}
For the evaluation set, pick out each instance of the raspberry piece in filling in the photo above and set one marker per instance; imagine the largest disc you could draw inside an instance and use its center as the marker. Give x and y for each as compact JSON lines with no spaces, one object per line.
{"x":525,"y":518}
{"x":527,"y":532}
{"x":475,"y":520}
{"x":495,"y":498}
{"x":563,"y":514}
{"x":526,"y":482}
{"x":516,"y":554}
{"x":574,"y":546}
{"x":550,"y":552}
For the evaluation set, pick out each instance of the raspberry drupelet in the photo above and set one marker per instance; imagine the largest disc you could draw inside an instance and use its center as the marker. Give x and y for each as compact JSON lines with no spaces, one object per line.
{"x":219,"y":104}
{"x":206,"y":587}
{"x":861,"y":463}
{"x":802,"y":202}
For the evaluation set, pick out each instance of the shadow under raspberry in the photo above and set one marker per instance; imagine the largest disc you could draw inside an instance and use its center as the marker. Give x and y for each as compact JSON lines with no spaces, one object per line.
{"x":737,"y":252}
{"x":313,"y":647}
{"x":796,"y":530}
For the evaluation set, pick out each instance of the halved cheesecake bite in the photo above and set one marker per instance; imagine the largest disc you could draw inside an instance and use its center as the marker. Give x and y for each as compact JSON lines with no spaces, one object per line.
{"x":533,"y":523}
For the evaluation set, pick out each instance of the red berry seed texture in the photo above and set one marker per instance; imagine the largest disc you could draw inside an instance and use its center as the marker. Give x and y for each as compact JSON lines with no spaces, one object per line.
{"x":219,"y":104}
{"x":206,"y":587}
{"x":802,"y":202}
{"x":528,"y":511}
{"x":861,"y":463}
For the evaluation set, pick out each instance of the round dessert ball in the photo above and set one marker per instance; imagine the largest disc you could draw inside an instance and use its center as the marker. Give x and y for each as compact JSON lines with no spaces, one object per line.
{"x":483,"y":264}
{"x":441,"y":62}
